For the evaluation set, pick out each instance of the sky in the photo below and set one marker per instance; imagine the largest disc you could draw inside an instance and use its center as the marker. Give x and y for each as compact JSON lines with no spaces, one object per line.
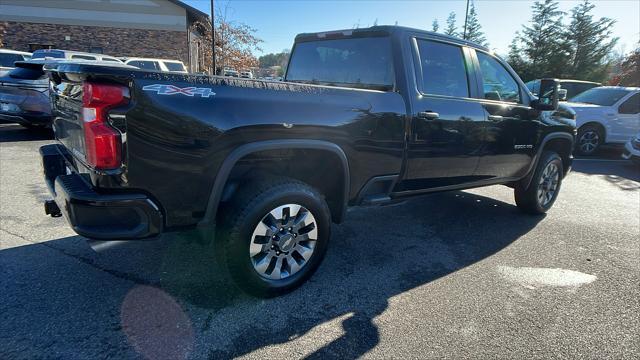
{"x":278,"y":22}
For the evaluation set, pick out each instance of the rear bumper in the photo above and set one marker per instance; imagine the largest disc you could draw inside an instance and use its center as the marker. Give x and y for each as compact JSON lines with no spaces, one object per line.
{"x":97,"y":215}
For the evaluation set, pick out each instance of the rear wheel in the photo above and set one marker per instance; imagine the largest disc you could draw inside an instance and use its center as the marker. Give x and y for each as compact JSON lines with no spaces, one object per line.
{"x":544,"y":187}
{"x":590,"y":138}
{"x":274,"y":236}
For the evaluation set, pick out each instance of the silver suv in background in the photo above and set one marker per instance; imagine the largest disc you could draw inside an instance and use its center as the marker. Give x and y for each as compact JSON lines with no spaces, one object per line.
{"x":72,"y":55}
{"x":175,"y":66}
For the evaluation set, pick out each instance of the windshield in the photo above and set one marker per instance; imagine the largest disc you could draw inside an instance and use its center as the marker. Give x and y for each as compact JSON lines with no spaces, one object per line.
{"x":357,"y":62}
{"x":600,"y":96}
{"x":7,"y":60}
{"x":41,"y":54}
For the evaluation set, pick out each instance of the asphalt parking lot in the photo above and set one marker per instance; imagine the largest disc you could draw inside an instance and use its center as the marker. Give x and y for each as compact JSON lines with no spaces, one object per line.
{"x":452,"y":275}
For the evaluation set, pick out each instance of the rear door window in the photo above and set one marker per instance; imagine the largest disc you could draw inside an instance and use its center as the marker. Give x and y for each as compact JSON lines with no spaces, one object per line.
{"x":353,"y":62}
{"x":631,"y":105}
{"x":444,"y":71}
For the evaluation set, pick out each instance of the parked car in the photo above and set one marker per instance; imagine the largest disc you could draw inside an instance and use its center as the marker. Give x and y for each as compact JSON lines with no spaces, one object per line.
{"x":174,"y":66}
{"x":363,"y":117}
{"x":605,"y":115}
{"x":72,"y":55}
{"x":569,"y":88}
{"x":24,"y":95}
{"x":231,"y":73}
{"x":24,"y":92}
{"x":246,"y":75}
{"x":9,"y":57}
{"x":632,"y":149}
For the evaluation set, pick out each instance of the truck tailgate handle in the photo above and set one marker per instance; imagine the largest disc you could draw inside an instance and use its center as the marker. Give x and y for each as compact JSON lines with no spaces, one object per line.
{"x":428,"y":115}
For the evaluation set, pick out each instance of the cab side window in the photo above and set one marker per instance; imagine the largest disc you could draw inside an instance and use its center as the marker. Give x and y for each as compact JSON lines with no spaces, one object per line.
{"x":497,"y":82}
{"x":143,"y":64}
{"x":631,"y":106}
{"x":443,"y":69}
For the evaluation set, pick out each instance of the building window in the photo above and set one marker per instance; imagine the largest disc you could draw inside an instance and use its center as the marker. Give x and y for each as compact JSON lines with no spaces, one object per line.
{"x":96,"y":50}
{"x":33,"y":47}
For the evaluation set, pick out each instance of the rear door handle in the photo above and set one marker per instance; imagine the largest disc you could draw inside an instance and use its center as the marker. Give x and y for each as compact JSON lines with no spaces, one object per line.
{"x":496,"y":118}
{"x":428,"y":115}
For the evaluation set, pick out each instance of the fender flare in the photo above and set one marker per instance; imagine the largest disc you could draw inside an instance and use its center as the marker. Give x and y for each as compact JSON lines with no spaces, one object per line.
{"x":551,"y":136}
{"x":229,"y":162}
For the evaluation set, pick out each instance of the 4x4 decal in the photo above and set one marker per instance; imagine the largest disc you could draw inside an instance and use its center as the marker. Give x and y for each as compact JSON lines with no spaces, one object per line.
{"x":163,"y":89}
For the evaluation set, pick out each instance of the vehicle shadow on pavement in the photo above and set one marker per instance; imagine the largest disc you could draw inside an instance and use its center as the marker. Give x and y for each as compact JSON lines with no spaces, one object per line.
{"x":625,"y":177}
{"x":167,"y":298}
{"x":15,"y":133}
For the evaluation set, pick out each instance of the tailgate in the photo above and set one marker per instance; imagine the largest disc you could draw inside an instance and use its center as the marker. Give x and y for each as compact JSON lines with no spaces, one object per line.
{"x":88,"y":104}
{"x":66,"y":102}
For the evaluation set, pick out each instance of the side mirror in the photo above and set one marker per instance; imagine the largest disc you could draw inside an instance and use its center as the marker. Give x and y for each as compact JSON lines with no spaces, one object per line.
{"x":548,"y":96}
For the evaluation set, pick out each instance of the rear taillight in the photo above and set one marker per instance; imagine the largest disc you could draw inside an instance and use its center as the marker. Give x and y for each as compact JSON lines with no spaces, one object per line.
{"x":103,"y":145}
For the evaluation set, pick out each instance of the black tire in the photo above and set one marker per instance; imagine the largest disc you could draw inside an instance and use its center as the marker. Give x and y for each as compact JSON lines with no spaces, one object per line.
{"x":528,"y":199}
{"x":589,"y":139}
{"x":246,"y":210}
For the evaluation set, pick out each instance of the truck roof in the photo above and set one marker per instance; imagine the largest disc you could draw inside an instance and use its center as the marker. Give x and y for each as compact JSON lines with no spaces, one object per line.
{"x":382,"y":30}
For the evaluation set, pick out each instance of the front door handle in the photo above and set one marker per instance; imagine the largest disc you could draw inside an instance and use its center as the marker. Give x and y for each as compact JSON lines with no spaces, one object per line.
{"x":428,"y":115}
{"x":496,"y":118}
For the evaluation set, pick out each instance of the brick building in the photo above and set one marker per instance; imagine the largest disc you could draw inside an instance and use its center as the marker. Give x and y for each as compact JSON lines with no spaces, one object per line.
{"x":142,"y":28}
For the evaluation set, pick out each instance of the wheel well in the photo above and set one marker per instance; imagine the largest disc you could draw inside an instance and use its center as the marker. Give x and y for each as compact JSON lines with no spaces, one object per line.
{"x":563,"y":147}
{"x":321,"y":169}
{"x":597,"y":125}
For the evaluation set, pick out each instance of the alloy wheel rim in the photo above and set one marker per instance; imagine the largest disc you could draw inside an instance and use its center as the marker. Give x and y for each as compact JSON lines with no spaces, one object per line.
{"x":548,"y":184}
{"x":589,"y":141}
{"x":283,"y":242}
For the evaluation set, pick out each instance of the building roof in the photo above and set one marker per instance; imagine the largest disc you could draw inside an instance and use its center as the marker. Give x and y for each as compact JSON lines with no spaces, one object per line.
{"x":190,"y":9}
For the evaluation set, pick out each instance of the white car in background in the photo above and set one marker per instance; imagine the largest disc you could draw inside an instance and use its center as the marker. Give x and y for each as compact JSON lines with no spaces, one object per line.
{"x":174,"y":66}
{"x":9,"y":57}
{"x":632,"y":150}
{"x":605,"y":115}
{"x":71,"y":55}
{"x":246,"y":74}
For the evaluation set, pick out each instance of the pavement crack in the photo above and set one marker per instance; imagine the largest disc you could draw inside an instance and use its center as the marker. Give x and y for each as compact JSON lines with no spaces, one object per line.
{"x":115,"y":273}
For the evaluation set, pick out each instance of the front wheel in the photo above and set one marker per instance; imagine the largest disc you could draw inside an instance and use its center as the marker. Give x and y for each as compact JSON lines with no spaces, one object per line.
{"x":544,"y":187}
{"x":589,"y":140}
{"x":275,"y":236}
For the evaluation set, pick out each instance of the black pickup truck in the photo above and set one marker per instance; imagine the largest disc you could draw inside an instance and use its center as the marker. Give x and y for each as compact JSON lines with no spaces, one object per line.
{"x":364,"y":117}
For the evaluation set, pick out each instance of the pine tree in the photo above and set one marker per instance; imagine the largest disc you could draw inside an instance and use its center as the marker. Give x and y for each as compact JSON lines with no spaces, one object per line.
{"x":517,"y":62}
{"x":474,"y":29}
{"x":451,"y":29}
{"x":435,"y":26}
{"x":542,"y":42}
{"x":589,"y":44}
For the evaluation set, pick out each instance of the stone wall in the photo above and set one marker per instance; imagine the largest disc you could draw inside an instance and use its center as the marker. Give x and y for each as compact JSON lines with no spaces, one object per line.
{"x":113,"y":41}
